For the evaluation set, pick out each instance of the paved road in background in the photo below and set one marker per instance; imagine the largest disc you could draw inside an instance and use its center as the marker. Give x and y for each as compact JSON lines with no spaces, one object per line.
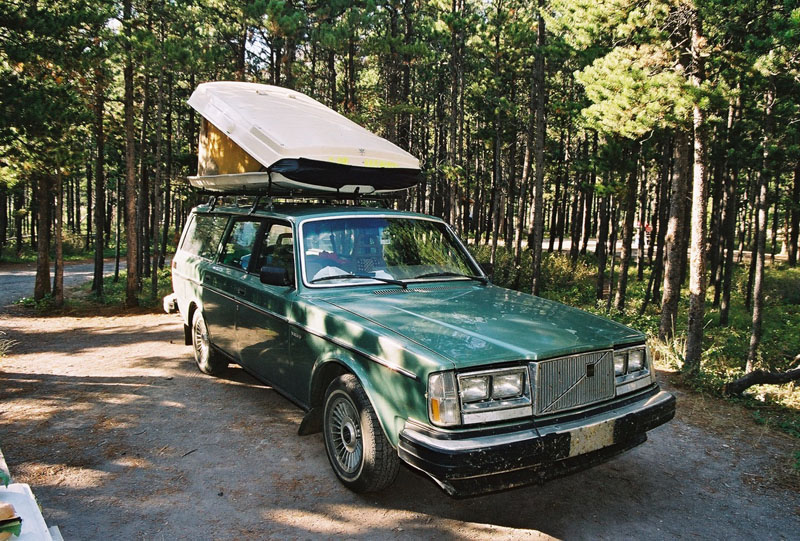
{"x":17,"y":282}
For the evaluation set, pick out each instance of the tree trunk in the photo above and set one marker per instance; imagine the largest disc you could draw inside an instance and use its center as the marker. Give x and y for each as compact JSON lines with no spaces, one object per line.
{"x":587,"y":217}
{"x":3,"y":215}
{"x":794,"y":228}
{"x":143,"y":201}
{"x":132,"y":283}
{"x":58,"y":279}
{"x":729,"y":225}
{"x":760,"y":245}
{"x":538,"y":194}
{"x":168,"y":178}
{"x":760,"y":377}
{"x":600,"y":247}
{"x":88,"y":237}
{"x":663,"y":217}
{"x":612,"y":248}
{"x":99,"y":182}
{"x":18,"y":219}
{"x":673,"y":240}
{"x":627,"y":238}
{"x":157,"y":180}
{"x":697,"y":264}
{"x":643,"y":220}
{"x":42,"y":284}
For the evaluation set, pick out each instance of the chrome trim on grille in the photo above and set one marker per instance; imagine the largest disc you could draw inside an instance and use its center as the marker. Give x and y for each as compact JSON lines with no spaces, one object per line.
{"x":573,"y":381}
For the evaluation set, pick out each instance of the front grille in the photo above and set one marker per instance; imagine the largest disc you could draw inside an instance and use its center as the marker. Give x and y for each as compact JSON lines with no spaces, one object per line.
{"x":571,"y":382}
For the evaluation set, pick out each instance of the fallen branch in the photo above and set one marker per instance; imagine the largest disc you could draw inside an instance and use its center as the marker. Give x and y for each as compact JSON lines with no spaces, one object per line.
{"x":758,"y":377}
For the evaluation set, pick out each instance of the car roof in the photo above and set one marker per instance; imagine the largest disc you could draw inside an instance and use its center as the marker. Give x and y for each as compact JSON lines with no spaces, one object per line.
{"x":298,"y":212}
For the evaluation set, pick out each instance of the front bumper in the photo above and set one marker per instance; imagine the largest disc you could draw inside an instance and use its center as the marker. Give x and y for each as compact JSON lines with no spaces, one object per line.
{"x":478,"y":465}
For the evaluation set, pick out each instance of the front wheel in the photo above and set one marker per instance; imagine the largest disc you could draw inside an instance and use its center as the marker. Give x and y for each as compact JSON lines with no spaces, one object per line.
{"x":361,"y":456}
{"x":208,"y":360}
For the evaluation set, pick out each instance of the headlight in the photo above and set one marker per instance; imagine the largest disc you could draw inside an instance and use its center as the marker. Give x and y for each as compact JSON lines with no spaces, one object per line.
{"x":474,"y":389}
{"x":631,"y":369}
{"x":443,"y":408}
{"x":494,"y":395}
{"x":619,"y":363}
{"x":508,"y":385}
{"x":635,"y":360}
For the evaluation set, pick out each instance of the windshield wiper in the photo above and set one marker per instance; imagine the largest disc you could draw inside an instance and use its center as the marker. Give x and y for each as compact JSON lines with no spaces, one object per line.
{"x":362,"y":276}
{"x":481,"y":279}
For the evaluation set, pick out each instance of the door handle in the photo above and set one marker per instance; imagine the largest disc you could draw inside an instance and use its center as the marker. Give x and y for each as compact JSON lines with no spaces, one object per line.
{"x":240,"y":291}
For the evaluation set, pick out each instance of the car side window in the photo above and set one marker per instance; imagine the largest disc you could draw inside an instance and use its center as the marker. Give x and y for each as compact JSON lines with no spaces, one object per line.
{"x":239,"y":244}
{"x":277,"y":249}
{"x":203,"y":235}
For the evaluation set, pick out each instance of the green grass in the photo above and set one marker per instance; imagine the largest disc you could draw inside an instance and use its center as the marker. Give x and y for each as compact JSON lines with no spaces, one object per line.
{"x":725,"y":348}
{"x":114,"y":292}
{"x":83,"y":300}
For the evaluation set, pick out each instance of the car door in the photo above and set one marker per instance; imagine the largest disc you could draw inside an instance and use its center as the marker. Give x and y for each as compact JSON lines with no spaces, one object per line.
{"x":263,"y":332}
{"x":223,"y":281}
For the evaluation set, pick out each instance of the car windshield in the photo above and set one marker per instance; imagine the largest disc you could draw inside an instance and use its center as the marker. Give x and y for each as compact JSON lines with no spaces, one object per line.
{"x":384,"y":249}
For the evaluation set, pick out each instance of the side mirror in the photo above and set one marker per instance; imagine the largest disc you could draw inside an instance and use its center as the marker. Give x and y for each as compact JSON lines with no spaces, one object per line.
{"x":274,"y":276}
{"x":488,"y":269}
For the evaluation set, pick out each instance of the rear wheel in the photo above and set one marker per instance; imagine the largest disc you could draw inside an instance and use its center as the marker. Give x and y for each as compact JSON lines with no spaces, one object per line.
{"x":208,"y":360}
{"x":361,"y":456}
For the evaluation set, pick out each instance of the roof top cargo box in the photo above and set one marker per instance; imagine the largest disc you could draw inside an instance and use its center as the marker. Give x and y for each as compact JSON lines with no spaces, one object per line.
{"x":256,"y":137}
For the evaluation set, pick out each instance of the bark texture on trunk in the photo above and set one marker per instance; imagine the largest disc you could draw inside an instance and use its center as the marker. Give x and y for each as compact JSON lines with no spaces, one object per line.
{"x":697,"y":261}
{"x":761,"y":238}
{"x":627,"y":240}
{"x":794,"y":226}
{"x":58,"y":279}
{"x":132,"y":283}
{"x":42,"y":285}
{"x":673,"y":240}
{"x":99,"y":183}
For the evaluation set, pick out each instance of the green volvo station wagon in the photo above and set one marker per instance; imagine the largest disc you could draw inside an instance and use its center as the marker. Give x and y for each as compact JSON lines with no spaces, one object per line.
{"x":393,"y":340}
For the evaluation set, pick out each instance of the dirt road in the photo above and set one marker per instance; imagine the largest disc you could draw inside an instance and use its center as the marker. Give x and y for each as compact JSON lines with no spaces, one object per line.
{"x":122,"y":438}
{"x":17,"y":281}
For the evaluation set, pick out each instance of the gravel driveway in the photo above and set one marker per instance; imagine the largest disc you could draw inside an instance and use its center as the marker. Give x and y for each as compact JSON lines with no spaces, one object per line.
{"x":122,"y":438}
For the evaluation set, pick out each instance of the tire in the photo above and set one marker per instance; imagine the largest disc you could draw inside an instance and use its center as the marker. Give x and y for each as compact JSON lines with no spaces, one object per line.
{"x":360,"y":455}
{"x":208,"y":360}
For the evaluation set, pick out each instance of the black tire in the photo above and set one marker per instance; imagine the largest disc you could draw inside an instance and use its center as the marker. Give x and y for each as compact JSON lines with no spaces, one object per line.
{"x":209,"y":360}
{"x":359,"y":453}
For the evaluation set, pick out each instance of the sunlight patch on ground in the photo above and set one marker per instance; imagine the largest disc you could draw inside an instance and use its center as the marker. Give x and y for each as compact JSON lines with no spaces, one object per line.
{"x":335,"y":521}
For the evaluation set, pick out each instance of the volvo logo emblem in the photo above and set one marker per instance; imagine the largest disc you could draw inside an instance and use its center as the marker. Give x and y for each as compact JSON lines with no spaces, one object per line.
{"x":590,"y":370}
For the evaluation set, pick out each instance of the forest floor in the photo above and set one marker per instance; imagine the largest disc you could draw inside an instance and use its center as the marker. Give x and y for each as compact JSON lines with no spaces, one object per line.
{"x":121,"y":437}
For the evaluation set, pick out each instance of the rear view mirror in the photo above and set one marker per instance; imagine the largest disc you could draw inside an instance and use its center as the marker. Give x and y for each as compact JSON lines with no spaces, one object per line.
{"x":274,"y":276}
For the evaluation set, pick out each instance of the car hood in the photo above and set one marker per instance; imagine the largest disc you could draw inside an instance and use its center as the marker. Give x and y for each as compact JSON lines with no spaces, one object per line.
{"x":475,"y":325}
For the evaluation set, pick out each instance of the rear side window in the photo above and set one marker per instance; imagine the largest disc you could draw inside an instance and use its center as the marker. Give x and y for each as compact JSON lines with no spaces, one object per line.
{"x":203,"y":235}
{"x":240,"y":243}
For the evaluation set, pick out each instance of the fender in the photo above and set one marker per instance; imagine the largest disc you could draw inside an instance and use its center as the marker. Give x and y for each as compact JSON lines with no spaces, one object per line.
{"x":390,"y":416}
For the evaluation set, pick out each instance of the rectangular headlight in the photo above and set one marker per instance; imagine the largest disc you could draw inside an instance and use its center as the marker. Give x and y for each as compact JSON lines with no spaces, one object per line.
{"x":632,"y":370}
{"x":620,"y":363}
{"x":635,"y":360}
{"x":443,"y":406}
{"x":507,"y":385}
{"x":474,"y":389}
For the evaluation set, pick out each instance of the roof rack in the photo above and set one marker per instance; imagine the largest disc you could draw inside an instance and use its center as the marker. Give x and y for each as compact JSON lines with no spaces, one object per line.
{"x":262,"y":199}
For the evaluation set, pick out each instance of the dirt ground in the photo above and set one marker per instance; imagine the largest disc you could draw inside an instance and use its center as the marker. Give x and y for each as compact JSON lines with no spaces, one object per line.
{"x":121,"y":437}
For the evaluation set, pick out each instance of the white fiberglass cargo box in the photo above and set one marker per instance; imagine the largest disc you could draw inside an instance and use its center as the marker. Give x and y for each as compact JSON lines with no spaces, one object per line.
{"x":257,"y":136}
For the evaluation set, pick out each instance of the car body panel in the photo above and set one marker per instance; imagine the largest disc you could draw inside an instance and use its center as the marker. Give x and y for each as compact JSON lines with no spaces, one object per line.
{"x":393,"y":337}
{"x":474,"y":325}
